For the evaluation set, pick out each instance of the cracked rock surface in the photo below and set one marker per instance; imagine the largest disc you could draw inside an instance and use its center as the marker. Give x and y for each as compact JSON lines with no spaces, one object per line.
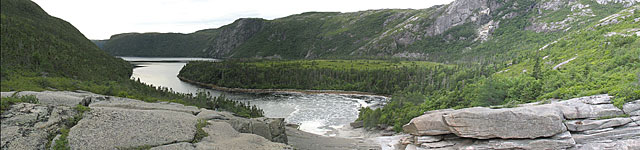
{"x":117,"y":123}
{"x":584,"y":123}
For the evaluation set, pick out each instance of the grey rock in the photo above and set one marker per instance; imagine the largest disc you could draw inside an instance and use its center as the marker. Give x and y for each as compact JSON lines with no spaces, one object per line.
{"x":223,"y":136}
{"x":594,"y":100}
{"x":56,"y":98}
{"x":458,"y":13}
{"x":176,"y":146}
{"x":440,"y":144}
{"x":632,"y":108}
{"x":621,"y":133}
{"x":521,"y":122}
{"x":308,"y":141}
{"x":427,"y":139}
{"x":92,"y":99}
{"x":597,"y":131}
{"x":589,"y":107}
{"x":272,"y":129}
{"x":412,"y":147}
{"x":626,"y":3}
{"x":55,"y":139}
{"x":629,"y":144}
{"x":126,"y":103}
{"x":431,"y":123}
{"x":6,"y":94}
{"x":110,"y":128}
{"x":212,"y":115}
{"x":583,"y":125}
{"x":552,"y":5}
{"x":28,"y":126}
{"x":635,"y":121}
{"x":234,"y":35}
{"x":357,"y":124}
{"x":560,"y":141}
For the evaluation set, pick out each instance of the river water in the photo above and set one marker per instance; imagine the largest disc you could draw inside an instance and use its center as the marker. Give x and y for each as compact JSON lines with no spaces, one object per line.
{"x":315,"y":113}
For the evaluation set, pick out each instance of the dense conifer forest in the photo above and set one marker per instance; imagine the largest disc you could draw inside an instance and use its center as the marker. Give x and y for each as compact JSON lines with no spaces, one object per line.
{"x":40,"y":52}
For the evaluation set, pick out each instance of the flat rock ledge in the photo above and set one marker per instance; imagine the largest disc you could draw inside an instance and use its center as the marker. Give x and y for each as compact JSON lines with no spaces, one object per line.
{"x":585,"y":123}
{"x":121,"y":123}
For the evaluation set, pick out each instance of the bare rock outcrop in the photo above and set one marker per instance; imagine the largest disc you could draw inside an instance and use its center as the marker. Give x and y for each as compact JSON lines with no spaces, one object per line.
{"x":486,"y":123}
{"x":29,"y":126}
{"x":56,"y":98}
{"x":431,"y":123}
{"x":111,"y":128}
{"x":272,"y":129}
{"x":223,"y":136}
{"x":584,"y":123}
{"x":121,"y":123}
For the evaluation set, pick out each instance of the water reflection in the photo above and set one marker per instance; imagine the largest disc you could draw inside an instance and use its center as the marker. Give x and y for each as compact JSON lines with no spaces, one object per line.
{"x":315,"y":113}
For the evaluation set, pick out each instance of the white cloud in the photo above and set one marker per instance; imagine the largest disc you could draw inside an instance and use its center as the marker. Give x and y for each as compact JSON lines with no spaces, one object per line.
{"x":99,"y":19}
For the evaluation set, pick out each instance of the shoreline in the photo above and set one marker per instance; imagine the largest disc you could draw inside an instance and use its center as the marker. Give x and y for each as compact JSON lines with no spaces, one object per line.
{"x":271,"y":91}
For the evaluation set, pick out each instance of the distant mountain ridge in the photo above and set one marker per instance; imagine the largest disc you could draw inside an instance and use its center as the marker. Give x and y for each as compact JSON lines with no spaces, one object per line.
{"x":464,"y":30}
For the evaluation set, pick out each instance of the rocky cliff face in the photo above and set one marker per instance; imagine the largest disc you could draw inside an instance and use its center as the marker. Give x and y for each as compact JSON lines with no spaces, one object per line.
{"x":582,"y":123}
{"x":117,"y":123}
{"x":234,"y":35}
{"x":436,"y":33}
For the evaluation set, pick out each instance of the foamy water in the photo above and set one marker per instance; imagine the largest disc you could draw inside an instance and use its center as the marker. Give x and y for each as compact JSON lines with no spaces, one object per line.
{"x":315,"y":113}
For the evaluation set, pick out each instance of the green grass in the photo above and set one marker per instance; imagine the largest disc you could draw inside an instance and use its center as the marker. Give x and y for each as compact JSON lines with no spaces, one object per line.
{"x":200,"y":133}
{"x":62,"y":143}
{"x":610,"y":117}
{"x":6,"y":102}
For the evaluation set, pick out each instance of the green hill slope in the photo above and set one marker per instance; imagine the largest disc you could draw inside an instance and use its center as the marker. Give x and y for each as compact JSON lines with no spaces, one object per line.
{"x":600,"y":58}
{"x":35,"y":43}
{"x":463,"y":31}
{"x":41,"y":52}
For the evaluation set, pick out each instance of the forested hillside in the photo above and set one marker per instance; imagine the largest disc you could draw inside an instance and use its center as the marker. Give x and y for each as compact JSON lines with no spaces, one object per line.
{"x":35,"y":43}
{"x":41,"y":52}
{"x":600,"y":58}
{"x":463,"y":31}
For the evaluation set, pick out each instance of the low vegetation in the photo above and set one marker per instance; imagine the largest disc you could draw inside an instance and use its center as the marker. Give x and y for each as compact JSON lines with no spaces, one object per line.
{"x":6,"y":102}
{"x":200,"y":133}
{"x":599,"y":65}
{"x":41,"y":52}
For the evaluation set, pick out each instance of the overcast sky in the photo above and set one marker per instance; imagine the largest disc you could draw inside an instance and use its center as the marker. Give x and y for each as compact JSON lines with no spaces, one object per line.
{"x":99,"y":19}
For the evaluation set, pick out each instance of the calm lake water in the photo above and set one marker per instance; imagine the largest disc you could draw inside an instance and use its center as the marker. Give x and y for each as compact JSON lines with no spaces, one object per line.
{"x":315,"y":113}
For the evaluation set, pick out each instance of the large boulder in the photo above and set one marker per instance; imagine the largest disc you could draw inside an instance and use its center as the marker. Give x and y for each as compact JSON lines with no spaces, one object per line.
{"x":583,"y":125}
{"x":632,"y":108}
{"x":509,"y":123}
{"x":560,"y":141}
{"x":590,"y":107}
{"x":576,"y":124}
{"x":431,"y":123}
{"x":272,"y":129}
{"x":223,"y":136}
{"x":112,"y":127}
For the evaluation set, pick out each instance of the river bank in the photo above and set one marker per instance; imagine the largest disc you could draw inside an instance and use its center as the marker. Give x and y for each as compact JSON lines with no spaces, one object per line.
{"x":275,"y":91}
{"x":224,"y":130}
